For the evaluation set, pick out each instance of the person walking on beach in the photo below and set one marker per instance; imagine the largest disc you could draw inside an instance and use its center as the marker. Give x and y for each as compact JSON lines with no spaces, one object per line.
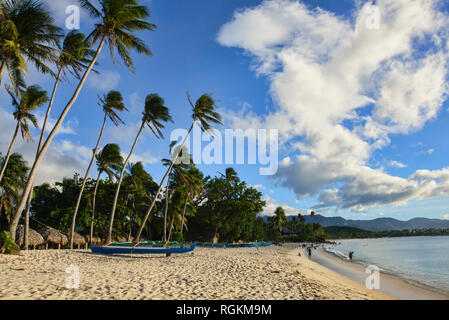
{"x":309,"y":250}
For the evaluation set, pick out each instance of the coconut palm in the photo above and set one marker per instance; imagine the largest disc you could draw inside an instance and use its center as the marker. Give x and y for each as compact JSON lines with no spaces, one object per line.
{"x":176,"y":176}
{"x":75,"y":56}
{"x":279,"y":218}
{"x":13,"y":181}
{"x":118,"y":20}
{"x":27,"y":32}
{"x":109,"y":161}
{"x":154,"y":115}
{"x":30,"y":99}
{"x":204,"y":113}
{"x":111,"y":104}
{"x":192,"y":190}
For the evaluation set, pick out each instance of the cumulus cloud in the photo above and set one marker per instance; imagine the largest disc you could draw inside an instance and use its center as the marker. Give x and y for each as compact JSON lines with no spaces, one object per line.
{"x":106,"y":80}
{"x":62,"y":159}
{"x":272,"y":204}
{"x":344,"y":87}
{"x":397,"y":164}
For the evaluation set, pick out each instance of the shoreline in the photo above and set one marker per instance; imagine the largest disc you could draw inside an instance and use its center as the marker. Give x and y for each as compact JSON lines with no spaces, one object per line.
{"x":393,"y":285}
{"x":266,"y":273}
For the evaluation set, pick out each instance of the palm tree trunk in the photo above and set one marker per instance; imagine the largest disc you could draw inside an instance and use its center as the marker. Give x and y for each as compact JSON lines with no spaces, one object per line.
{"x":171,"y":226}
{"x":160,"y":187}
{"x":8,"y":154}
{"x":183,"y":214}
{"x":166,"y":209}
{"x":2,"y":69}
{"x":27,"y":222}
{"x":39,"y":146}
{"x":93,"y":208}
{"x":117,"y":191}
{"x":78,"y":201}
{"x":37,"y":161}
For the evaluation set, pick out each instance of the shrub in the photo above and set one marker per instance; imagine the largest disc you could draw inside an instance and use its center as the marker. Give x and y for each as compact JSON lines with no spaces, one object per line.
{"x":7,"y":245}
{"x":177,"y":236}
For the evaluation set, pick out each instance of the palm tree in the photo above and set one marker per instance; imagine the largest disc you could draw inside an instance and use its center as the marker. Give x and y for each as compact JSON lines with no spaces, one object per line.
{"x":30,"y":99}
{"x":192,"y":190}
{"x":13,"y":181}
{"x":176,"y":176}
{"x":75,"y":55}
{"x":155,"y":113}
{"x":204,"y":113}
{"x":109,"y":161}
{"x":27,"y":32}
{"x":118,"y":20}
{"x":111,"y":103}
{"x":279,"y":218}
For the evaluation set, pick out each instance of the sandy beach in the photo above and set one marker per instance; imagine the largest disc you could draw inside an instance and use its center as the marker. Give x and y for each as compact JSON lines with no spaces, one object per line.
{"x":391,"y":285}
{"x":272,"y":273}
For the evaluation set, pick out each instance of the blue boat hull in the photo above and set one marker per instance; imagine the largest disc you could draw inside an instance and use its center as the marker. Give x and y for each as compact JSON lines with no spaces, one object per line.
{"x":144,"y":249}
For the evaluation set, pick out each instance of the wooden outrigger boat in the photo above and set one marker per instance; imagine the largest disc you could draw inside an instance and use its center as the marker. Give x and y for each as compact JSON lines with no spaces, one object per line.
{"x":144,"y":248}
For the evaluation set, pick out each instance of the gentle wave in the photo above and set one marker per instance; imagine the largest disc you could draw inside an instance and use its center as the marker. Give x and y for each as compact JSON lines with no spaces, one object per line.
{"x":421,"y":260}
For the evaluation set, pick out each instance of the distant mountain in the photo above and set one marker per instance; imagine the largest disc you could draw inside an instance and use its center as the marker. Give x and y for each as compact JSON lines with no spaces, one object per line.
{"x":379,"y":224}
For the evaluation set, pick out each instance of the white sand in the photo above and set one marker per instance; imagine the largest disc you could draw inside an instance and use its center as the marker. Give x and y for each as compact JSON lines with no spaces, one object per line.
{"x":274,"y":273}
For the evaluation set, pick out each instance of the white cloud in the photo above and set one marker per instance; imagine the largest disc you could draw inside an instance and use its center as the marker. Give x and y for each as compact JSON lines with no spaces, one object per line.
{"x":272,"y":204}
{"x":106,"y":80}
{"x":62,"y":159}
{"x":446,"y":216}
{"x":323,"y":70}
{"x":258,"y":187}
{"x":397,"y":164}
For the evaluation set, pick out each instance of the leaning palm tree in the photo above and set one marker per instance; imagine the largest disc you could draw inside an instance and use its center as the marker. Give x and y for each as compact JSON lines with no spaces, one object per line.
{"x":109,"y":161}
{"x":192,"y":190}
{"x":13,"y":181}
{"x":30,"y":99}
{"x":204,"y":113}
{"x":27,"y":32}
{"x":119,"y":19}
{"x":176,"y":176}
{"x":111,"y":104}
{"x":75,"y":56}
{"x":155,"y":113}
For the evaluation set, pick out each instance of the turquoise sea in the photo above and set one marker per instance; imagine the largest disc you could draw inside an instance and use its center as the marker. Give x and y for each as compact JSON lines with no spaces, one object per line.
{"x":423,"y":260}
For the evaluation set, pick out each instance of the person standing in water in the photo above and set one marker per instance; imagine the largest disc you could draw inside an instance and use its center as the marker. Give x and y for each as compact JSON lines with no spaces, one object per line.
{"x":350,"y":255}
{"x":309,"y":250}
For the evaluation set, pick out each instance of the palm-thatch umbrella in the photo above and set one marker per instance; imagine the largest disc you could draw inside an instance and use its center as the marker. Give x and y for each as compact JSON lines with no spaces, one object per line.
{"x":95,"y":240}
{"x":34,"y":238}
{"x":78,"y":240}
{"x":53,"y":237}
{"x":119,"y":239}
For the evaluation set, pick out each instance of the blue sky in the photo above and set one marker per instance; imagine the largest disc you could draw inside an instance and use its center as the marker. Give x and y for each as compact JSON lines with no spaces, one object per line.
{"x":258,"y":58}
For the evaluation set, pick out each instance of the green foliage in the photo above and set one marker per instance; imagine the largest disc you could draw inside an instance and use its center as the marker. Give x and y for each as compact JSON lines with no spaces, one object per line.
{"x":178,"y":236}
{"x":7,"y":245}
{"x":227,"y":207}
{"x":337,"y":232}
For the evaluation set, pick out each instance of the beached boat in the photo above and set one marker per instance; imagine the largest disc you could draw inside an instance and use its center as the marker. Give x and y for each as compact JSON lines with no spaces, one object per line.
{"x":264,"y":244}
{"x":143,"y":248}
{"x":247,"y":245}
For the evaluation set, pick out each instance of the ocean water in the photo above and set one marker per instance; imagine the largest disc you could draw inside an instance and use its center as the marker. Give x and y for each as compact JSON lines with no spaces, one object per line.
{"x":423,"y":260}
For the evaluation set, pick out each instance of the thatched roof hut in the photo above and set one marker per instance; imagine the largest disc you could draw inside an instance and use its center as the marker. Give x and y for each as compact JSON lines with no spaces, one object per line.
{"x":95,"y":240}
{"x":34,"y":238}
{"x":53,"y":237}
{"x":119,"y":239}
{"x":78,"y":240}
